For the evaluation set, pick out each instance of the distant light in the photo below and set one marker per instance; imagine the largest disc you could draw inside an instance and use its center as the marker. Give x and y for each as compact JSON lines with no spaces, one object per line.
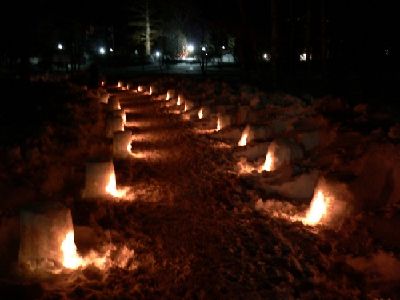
{"x":203,"y":48}
{"x":305,"y":56}
{"x":190,"y":48}
{"x":158,"y":53}
{"x":223,"y":47}
{"x":60,"y":46}
{"x":111,"y":50}
{"x":267,"y":56}
{"x":102,"y":50}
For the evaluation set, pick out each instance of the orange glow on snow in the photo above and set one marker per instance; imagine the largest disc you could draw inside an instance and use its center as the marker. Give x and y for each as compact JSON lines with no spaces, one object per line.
{"x":318,"y":209}
{"x":200,"y":114}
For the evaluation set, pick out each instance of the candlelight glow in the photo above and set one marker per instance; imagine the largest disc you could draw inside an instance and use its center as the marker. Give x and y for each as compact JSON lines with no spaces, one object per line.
{"x":140,"y":88}
{"x":243,"y":140}
{"x":179,"y":102}
{"x":127,"y":87}
{"x":219,"y":124}
{"x":71,"y":259}
{"x":111,"y":187}
{"x":318,"y":209}
{"x":119,"y":84}
{"x":200,"y":113}
{"x":186,"y":108}
{"x":168,"y":96}
{"x":150,"y":91}
{"x":268,"y":164}
{"x":102,"y":83}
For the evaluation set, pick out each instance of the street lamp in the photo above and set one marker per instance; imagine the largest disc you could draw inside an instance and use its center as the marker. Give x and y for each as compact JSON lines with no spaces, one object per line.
{"x":158,"y":53}
{"x":102,"y":50}
{"x":190,"y":48}
{"x":60,"y":46}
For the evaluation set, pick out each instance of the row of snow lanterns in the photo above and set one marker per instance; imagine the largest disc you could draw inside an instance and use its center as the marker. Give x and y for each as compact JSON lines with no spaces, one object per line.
{"x":277,"y":156}
{"x":54,"y":250}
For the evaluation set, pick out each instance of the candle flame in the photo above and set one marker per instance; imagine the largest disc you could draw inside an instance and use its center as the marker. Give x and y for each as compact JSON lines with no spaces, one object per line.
{"x":219,"y":124}
{"x":111,"y":187}
{"x":318,"y":209}
{"x":168,"y":96}
{"x":243,"y":140}
{"x":150,"y":91}
{"x":71,"y":259}
{"x":102,"y":83}
{"x":140,"y":88}
{"x":268,"y":164}
{"x":119,"y":84}
{"x":179,"y":100}
{"x":200,"y":113}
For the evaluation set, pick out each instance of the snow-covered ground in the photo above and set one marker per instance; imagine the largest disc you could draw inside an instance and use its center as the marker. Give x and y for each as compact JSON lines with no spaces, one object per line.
{"x":227,"y":193}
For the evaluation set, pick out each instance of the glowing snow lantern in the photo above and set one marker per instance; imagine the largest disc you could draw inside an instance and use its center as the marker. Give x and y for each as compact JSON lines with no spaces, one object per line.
{"x":104,"y":98}
{"x":246,"y":136}
{"x":119,"y":84}
{"x":122,"y":144}
{"x":140,"y":88}
{"x":223,"y":121}
{"x":179,"y":102}
{"x":318,"y":208}
{"x":170,"y":95}
{"x":151,"y":90}
{"x":47,"y":238}
{"x":114,"y":124}
{"x":100,"y":180}
{"x":200,"y":113}
{"x":280,"y":153}
{"x":113,"y":103}
{"x":120,"y":113}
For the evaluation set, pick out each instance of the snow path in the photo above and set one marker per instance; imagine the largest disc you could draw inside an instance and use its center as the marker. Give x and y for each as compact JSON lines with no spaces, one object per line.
{"x":189,"y":240}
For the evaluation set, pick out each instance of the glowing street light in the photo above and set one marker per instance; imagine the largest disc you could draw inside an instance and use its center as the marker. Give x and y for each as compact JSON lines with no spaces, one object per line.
{"x":190,"y":48}
{"x":111,"y":50}
{"x":158,"y":53}
{"x":60,"y":46}
{"x":203,"y":48}
{"x":102,"y":50}
{"x":223,"y":47}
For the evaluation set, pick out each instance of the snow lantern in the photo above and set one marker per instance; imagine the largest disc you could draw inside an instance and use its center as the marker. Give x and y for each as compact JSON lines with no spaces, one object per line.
{"x":247,"y":136}
{"x":280,"y":153}
{"x":113,"y":103}
{"x":100,"y":179}
{"x":119,"y":84}
{"x":114,"y":124}
{"x":223,"y":121}
{"x":120,"y":113}
{"x":170,"y":95}
{"x":104,"y":98}
{"x":47,"y":238}
{"x":188,"y":105}
{"x":180,"y":100}
{"x":122,"y":144}
{"x":330,"y":204}
{"x":140,"y":88}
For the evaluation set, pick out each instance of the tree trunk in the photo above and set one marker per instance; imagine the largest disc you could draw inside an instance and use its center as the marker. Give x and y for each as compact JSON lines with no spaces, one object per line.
{"x":148,"y":50}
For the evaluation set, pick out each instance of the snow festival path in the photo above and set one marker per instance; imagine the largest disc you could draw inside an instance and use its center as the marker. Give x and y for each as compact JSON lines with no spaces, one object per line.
{"x":193,"y":232}
{"x":190,"y":240}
